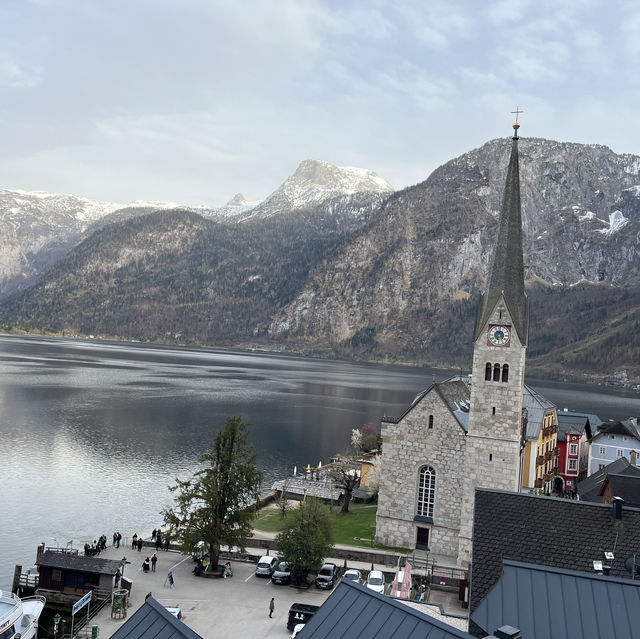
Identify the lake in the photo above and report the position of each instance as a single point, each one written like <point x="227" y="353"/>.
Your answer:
<point x="95" y="432"/>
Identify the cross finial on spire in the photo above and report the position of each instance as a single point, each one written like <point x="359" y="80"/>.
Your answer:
<point x="516" y="125"/>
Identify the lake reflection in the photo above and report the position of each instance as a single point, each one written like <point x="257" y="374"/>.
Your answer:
<point x="95" y="432"/>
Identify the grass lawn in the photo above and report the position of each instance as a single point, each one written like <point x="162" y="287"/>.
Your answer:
<point x="351" y="529"/>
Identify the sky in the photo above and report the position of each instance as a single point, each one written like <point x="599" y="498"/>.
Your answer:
<point x="193" y="101"/>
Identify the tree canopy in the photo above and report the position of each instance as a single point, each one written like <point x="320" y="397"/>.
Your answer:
<point x="214" y="505"/>
<point x="306" y="539"/>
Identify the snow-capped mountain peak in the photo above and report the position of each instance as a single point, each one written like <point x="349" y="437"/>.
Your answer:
<point x="317" y="180"/>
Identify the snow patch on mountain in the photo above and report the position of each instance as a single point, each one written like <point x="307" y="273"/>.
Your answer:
<point x="616" y="222"/>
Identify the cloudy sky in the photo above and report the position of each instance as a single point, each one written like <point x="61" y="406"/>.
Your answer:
<point x="192" y="101"/>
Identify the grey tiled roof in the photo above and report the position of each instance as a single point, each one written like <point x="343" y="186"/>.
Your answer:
<point x="590" y="487"/>
<point x="568" y="419"/>
<point x="564" y="533"/>
<point x="506" y="272"/>
<point x="81" y="563"/>
<point x="352" y="610"/>
<point x="455" y="393"/>
<point x="551" y="603"/>
<point x="626" y="486"/>
<point x="626" y="427"/>
<point x="154" y="621"/>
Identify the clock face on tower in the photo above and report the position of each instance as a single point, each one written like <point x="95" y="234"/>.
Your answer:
<point x="499" y="335"/>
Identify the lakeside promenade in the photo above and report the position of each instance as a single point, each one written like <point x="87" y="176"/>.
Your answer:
<point x="238" y="606"/>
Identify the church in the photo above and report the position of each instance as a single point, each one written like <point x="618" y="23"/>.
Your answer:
<point x="465" y="432"/>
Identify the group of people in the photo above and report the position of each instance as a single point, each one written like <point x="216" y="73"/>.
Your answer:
<point x="150" y="563"/>
<point x="116" y="539"/>
<point x="96" y="547"/>
<point x="201" y="566"/>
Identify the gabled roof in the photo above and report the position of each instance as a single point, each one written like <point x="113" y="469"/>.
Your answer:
<point x="568" y="534"/>
<point x="625" y="486"/>
<point x="154" y="621"/>
<point x="551" y="603"/>
<point x="569" y="421"/>
<point x="627" y="427"/>
<point x="537" y="405"/>
<point x="455" y="393"/>
<point x="590" y="487"/>
<point x="506" y="271"/>
<point x="352" y="610"/>
<point x="80" y="563"/>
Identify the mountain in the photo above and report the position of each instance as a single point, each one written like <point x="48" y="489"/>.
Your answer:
<point x="315" y="181"/>
<point x="38" y="228"/>
<point x="374" y="274"/>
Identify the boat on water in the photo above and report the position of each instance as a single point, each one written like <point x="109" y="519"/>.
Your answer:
<point x="19" y="617"/>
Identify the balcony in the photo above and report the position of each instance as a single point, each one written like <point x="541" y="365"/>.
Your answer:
<point x="549" y="430"/>
<point x="539" y="483"/>
<point x="547" y="476"/>
<point x="539" y="460"/>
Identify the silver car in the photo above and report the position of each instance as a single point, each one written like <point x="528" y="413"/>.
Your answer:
<point x="266" y="566"/>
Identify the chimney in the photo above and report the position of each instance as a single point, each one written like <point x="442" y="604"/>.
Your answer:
<point x="617" y="503"/>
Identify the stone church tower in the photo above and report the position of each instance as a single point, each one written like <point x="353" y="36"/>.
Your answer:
<point x="494" y="437"/>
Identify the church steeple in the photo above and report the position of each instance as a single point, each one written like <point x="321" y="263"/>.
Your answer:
<point x="506" y="271"/>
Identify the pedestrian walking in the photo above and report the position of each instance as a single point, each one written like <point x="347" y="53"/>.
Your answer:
<point x="115" y="538"/>
<point x="134" y="543"/>
<point x="118" y="538"/>
<point x="154" y="561"/>
<point x="272" y="607"/>
<point x="158" y="540"/>
<point x="153" y="534"/>
<point x="139" y="544"/>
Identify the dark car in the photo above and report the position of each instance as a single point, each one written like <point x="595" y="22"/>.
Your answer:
<point x="300" y="613"/>
<point x="282" y="573"/>
<point x="327" y="576"/>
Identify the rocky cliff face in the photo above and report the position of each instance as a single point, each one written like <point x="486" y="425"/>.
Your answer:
<point x="373" y="274"/>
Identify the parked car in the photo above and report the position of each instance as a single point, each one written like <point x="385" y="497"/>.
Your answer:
<point x="266" y="566"/>
<point x="327" y="576"/>
<point x="375" y="581"/>
<point x="300" y="613"/>
<point x="282" y="573"/>
<point x="353" y="575"/>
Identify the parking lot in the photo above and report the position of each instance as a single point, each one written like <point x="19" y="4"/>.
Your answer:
<point x="212" y="607"/>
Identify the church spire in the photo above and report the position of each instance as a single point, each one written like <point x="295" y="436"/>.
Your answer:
<point x="506" y="272"/>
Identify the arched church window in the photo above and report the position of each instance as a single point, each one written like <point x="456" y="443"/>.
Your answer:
<point x="487" y="372"/>
<point x="430" y="421"/>
<point x="426" y="491"/>
<point x="496" y="372"/>
<point x="505" y="373"/>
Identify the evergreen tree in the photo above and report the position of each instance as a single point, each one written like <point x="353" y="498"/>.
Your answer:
<point x="214" y="506"/>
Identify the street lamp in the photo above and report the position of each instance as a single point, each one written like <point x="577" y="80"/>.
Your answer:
<point x="56" y="621"/>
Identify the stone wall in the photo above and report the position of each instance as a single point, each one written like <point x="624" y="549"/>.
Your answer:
<point x="408" y="446"/>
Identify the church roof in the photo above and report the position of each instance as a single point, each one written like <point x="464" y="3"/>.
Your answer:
<point x="454" y="392"/>
<point x="506" y="271"/>
<point x="567" y="533"/>
<point x="552" y="603"/>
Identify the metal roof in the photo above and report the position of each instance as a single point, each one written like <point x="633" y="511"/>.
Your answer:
<point x="537" y="405"/>
<point x="352" y="610"/>
<point x="154" y="621"/>
<point x="506" y="271"/>
<point x="80" y="563"/>
<point x="551" y="603"/>
<point x="567" y="533"/>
